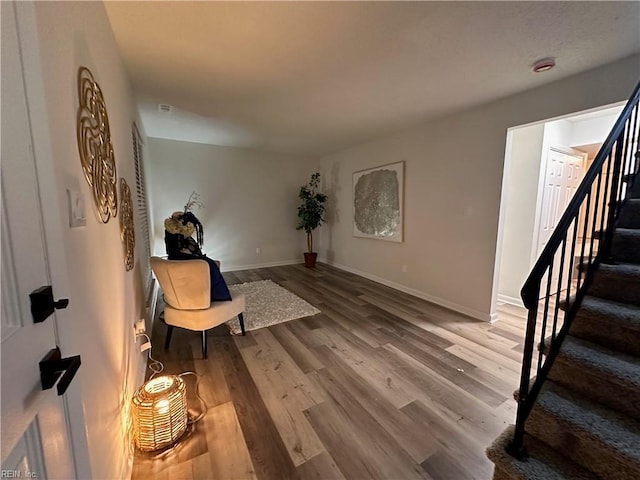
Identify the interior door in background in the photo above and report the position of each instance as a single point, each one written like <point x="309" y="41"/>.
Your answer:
<point x="564" y="170"/>
<point x="35" y="438"/>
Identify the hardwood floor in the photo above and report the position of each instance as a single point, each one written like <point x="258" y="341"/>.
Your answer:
<point x="380" y="385"/>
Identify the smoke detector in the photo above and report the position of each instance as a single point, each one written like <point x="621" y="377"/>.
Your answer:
<point x="544" y="65"/>
<point x="164" y="108"/>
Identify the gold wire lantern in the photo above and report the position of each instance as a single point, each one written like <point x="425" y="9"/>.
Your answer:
<point x="159" y="410"/>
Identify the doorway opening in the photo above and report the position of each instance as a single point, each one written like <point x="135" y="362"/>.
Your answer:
<point x="544" y="164"/>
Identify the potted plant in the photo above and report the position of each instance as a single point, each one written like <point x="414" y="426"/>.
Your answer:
<point x="310" y="215"/>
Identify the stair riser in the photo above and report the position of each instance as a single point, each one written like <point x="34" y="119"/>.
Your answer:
<point x="635" y="190"/>
<point x="607" y="333"/>
<point x="626" y="248"/>
<point x="499" y="474"/>
<point x="616" y="287"/>
<point x="634" y="179"/>
<point x="596" y="386"/>
<point x="630" y="215"/>
<point x="543" y="463"/>
<point x="577" y="445"/>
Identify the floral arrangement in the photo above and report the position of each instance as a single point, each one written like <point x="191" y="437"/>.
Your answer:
<point x="184" y="222"/>
<point x="174" y="224"/>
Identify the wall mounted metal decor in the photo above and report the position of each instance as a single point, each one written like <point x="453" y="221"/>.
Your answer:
<point x="127" y="232"/>
<point x="94" y="145"/>
<point x="378" y="202"/>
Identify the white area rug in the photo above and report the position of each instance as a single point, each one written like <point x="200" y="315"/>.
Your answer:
<point x="268" y="304"/>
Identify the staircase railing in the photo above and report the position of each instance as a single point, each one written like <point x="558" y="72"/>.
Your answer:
<point x="580" y="241"/>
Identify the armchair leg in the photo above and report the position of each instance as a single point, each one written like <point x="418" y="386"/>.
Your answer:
<point x="241" y="320"/>
<point x="204" y="344"/>
<point x="167" y="339"/>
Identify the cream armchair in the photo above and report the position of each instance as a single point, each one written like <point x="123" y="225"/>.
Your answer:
<point x="186" y="287"/>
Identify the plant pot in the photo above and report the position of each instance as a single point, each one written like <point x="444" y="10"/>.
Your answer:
<point x="310" y="259"/>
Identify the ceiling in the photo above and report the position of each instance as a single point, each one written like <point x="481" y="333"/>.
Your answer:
<point x="311" y="78"/>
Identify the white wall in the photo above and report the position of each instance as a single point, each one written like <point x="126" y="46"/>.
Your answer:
<point x="520" y="196"/>
<point x="592" y="130"/>
<point x="88" y="265"/>
<point x="250" y="199"/>
<point x="454" y="169"/>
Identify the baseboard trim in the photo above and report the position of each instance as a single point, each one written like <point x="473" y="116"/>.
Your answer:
<point x="510" y="300"/>
<point x="485" y="317"/>
<point x="232" y="268"/>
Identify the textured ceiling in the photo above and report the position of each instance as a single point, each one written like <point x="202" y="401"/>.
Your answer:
<point x="315" y="77"/>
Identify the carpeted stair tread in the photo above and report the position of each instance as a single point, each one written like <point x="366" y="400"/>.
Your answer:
<point x="565" y="304"/>
<point x="630" y="214"/>
<point x="624" y="368"/>
<point x="628" y="178"/>
<point x="543" y="462"/>
<point x="609" y="307"/>
<point x="618" y="282"/>
<point x="593" y="436"/>
<point x="603" y="375"/>
<point x="628" y="270"/>
<point x="585" y="421"/>
<point x="632" y="178"/>
<point x="612" y="324"/>
<point x="634" y="192"/>
<point x="625" y="245"/>
<point x="628" y="232"/>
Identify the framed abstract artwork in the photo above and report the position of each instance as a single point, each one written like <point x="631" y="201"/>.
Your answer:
<point x="378" y="195"/>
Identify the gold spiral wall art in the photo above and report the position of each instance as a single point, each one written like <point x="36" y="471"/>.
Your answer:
<point x="127" y="233"/>
<point x="94" y="145"/>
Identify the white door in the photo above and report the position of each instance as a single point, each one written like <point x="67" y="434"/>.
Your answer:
<point x="35" y="438"/>
<point x="564" y="171"/>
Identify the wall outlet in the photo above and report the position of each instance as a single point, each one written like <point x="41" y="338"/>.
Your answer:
<point x="258" y="250"/>
<point x="404" y="269"/>
<point x="140" y="326"/>
<point x="138" y="329"/>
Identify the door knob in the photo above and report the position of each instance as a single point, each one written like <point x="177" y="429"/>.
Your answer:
<point x="43" y="305"/>
<point x="52" y="366"/>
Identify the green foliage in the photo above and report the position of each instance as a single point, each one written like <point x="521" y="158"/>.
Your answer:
<point x="311" y="210"/>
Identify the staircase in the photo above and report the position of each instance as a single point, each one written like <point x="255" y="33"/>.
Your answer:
<point x="586" y="420"/>
<point x="579" y="397"/>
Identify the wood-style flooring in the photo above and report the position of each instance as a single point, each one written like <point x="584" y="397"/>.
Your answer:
<point x="380" y="385"/>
